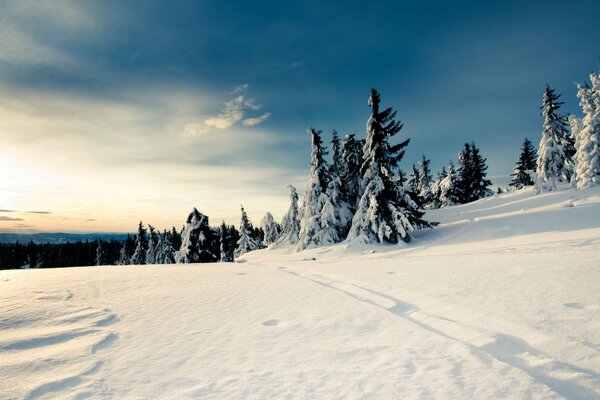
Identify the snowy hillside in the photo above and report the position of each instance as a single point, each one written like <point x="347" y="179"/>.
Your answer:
<point x="500" y="301"/>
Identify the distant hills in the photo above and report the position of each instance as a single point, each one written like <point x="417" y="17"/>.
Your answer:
<point x="58" y="237"/>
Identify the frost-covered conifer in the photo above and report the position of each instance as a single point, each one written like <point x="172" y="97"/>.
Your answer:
<point x="587" y="169"/>
<point x="165" y="251"/>
<point x="449" y="193"/>
<point x="524" y="172"/>
<point x="123" y="257"/>
<point x="270" y="228"/>
<point x="386" y="211"/>
<point x="100" y="254"/>
<point x="141" y="245"/>
<point x="152" y="245"/>
<point x="290" y="225"/>
<point x="195" y="240"/>
<point x="336" y="215"/>
<point x="413" y="180"/>
<point x="315" y="196"/>
<point x="246" y="243"/>
<point x="350" y="174"/>
<point x="554" y="163"/>
<point x="424" y="182"/>
<point x="472" y="184"/>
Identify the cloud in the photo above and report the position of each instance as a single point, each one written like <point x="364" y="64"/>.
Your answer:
<point x="256" y="121"/>
<point x="90" y="219"/>
<point x="7" y="211"/>
<point x="4" y="218"/>
<point x="26" y="212"/>
<point x="232" y="113"/>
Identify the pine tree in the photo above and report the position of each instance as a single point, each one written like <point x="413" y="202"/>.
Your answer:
<point x="472" y="183"/>
<point x="290" y="225"/>
<point x="123" y="256"/>
<point x="165" y="252"/>
<point x="337" y="166"/>
<point x="413" y="180"/>
<point x="350" y="174"/>
<point x="524" y="172"/>
<point x="424" y="182"/>
<point x="554" y="163"/>
<point x="100" y="254"/>
<point x="315" y="197"/>
<point x="449" y="191"/>
<point x="336" y="215"/>
<point x="436" y="188"/>
<point x="587" y="171"/>
<point x="152" y="246"/>
<point x="141" y="245"/>
<point x="480" y="183"/>
<point x="196" y="240"/>
<point x="270" y="228"/>
<point x="386" y="211"/>
<point x="246" y="243"/>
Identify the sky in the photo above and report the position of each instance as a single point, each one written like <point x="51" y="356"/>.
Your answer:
<point x="113" y="112"/>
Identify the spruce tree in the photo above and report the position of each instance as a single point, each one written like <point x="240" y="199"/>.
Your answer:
<point x="123" y="256"/>
<point x="350" y="174"/>
<point x="524" y="171"/>
<point x="315" y="197"/>
<point x="386" y="211"/>
<point x="290" y="225"/>
<point x="587" y="172"/>
<point x="100" y="253"/>
<point x="270" y="228"/>
<point x="165" y="251"/>
<point x="246" y="243"/>
<point x="554" y="163"/>
<point x="196" y="240"/>
<point x="449" y="190"/>
<point x="424" y="182"/>
<point x="480" y="183"/>
<point x="152" y="246"/>
<point x="141" y="245"/>
<point x="413" y="180"/>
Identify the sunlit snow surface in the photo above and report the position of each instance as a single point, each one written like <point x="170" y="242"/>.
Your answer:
<point x="501" y="301"/>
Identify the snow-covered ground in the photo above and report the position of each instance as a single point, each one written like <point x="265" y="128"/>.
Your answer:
<point x="500" y="301"/>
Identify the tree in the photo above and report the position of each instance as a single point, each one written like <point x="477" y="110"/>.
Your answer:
<point x="554" y="163"/>
<point x="472" y="170"/>
<point x="424" y="182"/>
<point x="350" y="171"/>
<point x="246" y="243"/>
<point x="413" y="180"/>
<point x="449" y="193"/>
<point x="141" y="245"/>
<point x="587" y="139"/>
<point x="123" y="256"/>
<point x="315" y="197"/>
<point x="290" y="225"/>
<point x="152" y="246"/>
<point x="387" y="212"/>
<point x="196" y="240"/>
<point x="270" y="228"/>
<point x="100" y="254"/>
<point x="524" y="172"/>
<point x="165" y="253"/>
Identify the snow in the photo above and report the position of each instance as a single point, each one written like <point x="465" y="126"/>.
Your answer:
<point x="500" y="301"/>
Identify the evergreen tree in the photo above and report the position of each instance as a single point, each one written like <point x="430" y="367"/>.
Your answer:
<point x="152" y="246"/>
<point x="524" y="172"/>
<point x="123" y="256"/>
<point x="472" y="183"/>
<point x="424" y="182"/>
<point x="554" y="163"/>
<point x="270" y="228"/>
<point x="436" y="188"/>
<point x="449" y="191"/>
<point x="196" y="240"/>
<point x="336" y="215"/>
<point x="100" y="253"/>
<point x="337" y="161"/>
<point x="413" y="180"/>
<point x="141" y="245"/>
<point x="480" y="183"/>
<point x="290" y="225"/>
<point x="386" y="211"/>
<point x="587" y="171"/>
<point x="315" y="197"/>
<point x="165" y="252"/>
<point x="350" y="173"/>
<point x="246" y="243"/>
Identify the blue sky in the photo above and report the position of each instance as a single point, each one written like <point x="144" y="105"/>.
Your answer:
<point x="113" y="111"/>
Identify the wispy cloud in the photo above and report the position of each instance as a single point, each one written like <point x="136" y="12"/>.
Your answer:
<point x="232" y="113"/>
<point x="5" y="218"/>
<point x="25" y="212"/>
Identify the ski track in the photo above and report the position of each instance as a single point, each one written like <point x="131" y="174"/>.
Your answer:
<point x="62" y="342"/>
<point x="565" y="379"/>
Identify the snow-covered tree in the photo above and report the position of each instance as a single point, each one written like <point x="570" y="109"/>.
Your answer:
<point x="100" y="253"/>
<point x="152" y="246"/>
<point x="413" y="179"/>
<point x="141" y="245"/>
<point x="123" y="256"/>
<point x="449" y="193"/>
<point x="587" y="139"/>
<point x="195" y="240"/>
<point x="315" y="196"/>
<point x="270" y="228"/>
<point x="424" y="182"/>
<point x="386" y="211"/>
<point x="336" y="168"/>
<point x="246" y="243"/>
<point x="336" y="215"/>
<point x="290" y="225"/>
<point x="165" y="252"/>
<point x="554" y="163"/>
<point x="472" y="170"/>
<point x="524" y="172"/>
<point x="350" y="174"/>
